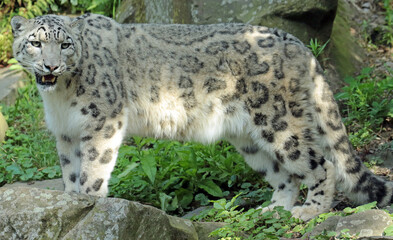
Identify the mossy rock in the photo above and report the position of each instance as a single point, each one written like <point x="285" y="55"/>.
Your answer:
<point x="305" y="19"/>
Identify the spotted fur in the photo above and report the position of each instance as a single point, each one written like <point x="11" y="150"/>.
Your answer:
<point x="257" y="87"/>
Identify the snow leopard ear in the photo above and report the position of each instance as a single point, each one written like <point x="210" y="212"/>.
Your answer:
<point x="18" y="25"/>
<point x="77" y="25"/>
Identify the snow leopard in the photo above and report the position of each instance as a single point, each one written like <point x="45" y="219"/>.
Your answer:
<point x="259" y="88"/>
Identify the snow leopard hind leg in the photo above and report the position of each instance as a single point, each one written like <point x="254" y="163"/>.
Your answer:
<point x="285" y="186"/>
<point x="288" y="164"/>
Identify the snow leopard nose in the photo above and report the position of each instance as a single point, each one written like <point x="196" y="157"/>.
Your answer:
<point x="51" y="68"/>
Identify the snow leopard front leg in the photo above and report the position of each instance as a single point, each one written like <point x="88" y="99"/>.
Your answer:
<point x="99" y="149"/>
<point x="70" y="161"/>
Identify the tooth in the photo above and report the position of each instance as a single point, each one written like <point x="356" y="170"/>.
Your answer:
<point x="43" y="79"/>
<point x="53" y="79"/>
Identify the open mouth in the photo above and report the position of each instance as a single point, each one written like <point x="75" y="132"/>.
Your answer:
<point x="46" y="80"/>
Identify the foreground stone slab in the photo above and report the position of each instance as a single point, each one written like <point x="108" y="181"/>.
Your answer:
<point x="370" y="223"/>
<point x="30" y="213"/>
<point x="50" y="184"/>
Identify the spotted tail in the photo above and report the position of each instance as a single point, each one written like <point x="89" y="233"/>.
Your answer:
<point x="352" y="177"/>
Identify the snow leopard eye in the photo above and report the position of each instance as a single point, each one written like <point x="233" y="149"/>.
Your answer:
<point x="65" y="45"/>
<point x="36" y="44"/>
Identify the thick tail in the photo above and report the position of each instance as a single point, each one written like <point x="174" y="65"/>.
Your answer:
<point x="352" y="177"/>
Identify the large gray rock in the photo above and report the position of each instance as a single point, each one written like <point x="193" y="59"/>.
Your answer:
<point x="365" y="224"/>
<point x="346" y="56"/>
<point x="30" y="213"/>
<point x="303" y="18"/>
<point x="3" y="127"/>
<point x="10" y="81"/>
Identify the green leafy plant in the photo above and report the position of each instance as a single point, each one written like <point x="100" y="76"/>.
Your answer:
<point x="104" y="7"/>
<point x="316" y="47"/>
<point x="383" y="33"/>
<point x="176" y="176"/>
<point x="28" y="153"/>
<point x="348" y="210"/>
<point x="250" y="224"/>
<point x="368" y="102"/>
<point x="387" y="36"/>
<point x="276" y="224"/>
<point x="366" y="35"/>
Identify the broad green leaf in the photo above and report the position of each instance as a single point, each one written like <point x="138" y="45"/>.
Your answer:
<point x="361" y="208"/>
<point x="219" y="204"/>
<point x="164" y="200"/>
<point x="128" y="169"/>
<point x="185" y="197"/>
<point x="149" y="166"/>
<point x="246" y="185"/>
<point x="127" y="151"/>
<point x="12" y="61"/>
<point x="210" y="187"/>
<point x="14" y="169"/>
<point x="367" y="206"/>
<point x="51" y="171"/>
<point x="367" y="71"/>
<point x="270" y="230"/>
<point x="54" y="7"/>
<point x="389" y="231"/>
<point x="202" y="199"/>
<point x="174" y="204"/>
<point x="29" y="173"/>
